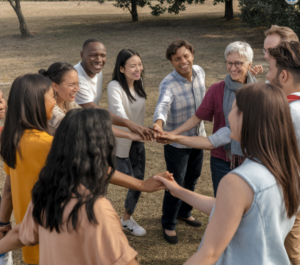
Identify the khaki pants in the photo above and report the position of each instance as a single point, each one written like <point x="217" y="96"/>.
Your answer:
<point x="292" y="242"/>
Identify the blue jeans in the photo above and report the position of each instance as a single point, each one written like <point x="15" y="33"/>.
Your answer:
<point x="134" y="166"/>
<point x="186" y="165"/>
<point x="219" y="168"/>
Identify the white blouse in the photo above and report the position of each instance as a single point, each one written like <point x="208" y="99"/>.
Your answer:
<point x="120" y="105"/>
<point x="58" y="114"/>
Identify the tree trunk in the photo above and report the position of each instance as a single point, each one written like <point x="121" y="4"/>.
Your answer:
<point x="228" y="10"/>
<point x="134" y="12"/>
<point x="23" y="26"/>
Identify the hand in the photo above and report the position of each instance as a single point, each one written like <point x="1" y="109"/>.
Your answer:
<point x="257" y="69"/>
<point x="168" y="138"/>
<point x="135" y="137"/>
<point x="169" y="183"/>
<point x="144" y="132"/>
<point x="157" y="128"/>
<point x="4" y="229"/>
<point x="151" y="184"/>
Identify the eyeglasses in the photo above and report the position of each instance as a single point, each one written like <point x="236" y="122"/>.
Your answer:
<point x="236" y="64"/>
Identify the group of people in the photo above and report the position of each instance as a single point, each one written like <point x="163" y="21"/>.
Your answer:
<point x="60" y="152"/>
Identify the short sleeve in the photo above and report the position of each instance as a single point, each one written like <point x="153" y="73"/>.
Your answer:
<point x="206" y="109"/>
<point x="6" y="168"/>
<point x="29" y="230"/>
<point x="106" y="240"/>
<point x="84" y="95"/>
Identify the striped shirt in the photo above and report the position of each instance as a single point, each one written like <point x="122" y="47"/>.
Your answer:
<point x="178" y="101"/>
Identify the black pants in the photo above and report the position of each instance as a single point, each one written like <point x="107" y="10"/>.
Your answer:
<point x="186" y="165"/>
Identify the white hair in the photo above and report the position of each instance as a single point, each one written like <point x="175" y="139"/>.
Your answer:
<point x="242" y="48"/>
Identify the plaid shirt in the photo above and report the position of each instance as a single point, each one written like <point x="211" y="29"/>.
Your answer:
<point x="178" y="101"/>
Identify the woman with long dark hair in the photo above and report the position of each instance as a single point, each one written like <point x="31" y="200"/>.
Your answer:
<point x="126" y="99"/>
<point x="69" y="215"/>
<point x="25" y="144"/>
<point x="257" y="202"/>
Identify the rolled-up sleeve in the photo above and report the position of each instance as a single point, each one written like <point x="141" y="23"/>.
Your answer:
<point x="163" y="104"/>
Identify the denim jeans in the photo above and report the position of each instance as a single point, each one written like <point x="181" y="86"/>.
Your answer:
<point x="186" y="165"/>
<point x="134" y="166"/>
<point x="219" y="168"/>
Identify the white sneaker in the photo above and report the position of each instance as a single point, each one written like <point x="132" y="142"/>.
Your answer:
<point x="133" y="227"/>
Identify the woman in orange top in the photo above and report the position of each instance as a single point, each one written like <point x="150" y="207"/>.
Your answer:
<point x="25" y="144"/>
<point x="69" y="215"/>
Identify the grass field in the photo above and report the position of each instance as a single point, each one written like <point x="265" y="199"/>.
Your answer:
<point x="59" y="29"/>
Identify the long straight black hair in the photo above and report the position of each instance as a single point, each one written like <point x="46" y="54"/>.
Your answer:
<point x="122" y="58"/>
<point x="26" y="110"/>
<point x="82" y="153"/>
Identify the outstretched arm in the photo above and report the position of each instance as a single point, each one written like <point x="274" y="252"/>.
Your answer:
<point x="219" y="138"/>
<point x="144" y="132"/>
<point x="149" y="185"/>
<point x="198" y="142"/>
<point x="200" y="202"/>
<point x="6" y="207"/>
<point x="189" y="124"/>
<point x="11" y="241"/>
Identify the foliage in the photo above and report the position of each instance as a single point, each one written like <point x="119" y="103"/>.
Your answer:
<point x="172" y="6"/>
<point x="258" y="13"/>
<point x="126" y="4"/>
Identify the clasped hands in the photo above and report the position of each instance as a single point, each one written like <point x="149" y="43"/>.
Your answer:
<point x="146" y="134"/>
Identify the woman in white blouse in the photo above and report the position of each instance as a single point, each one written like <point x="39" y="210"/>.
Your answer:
<point x="126" y="98"/>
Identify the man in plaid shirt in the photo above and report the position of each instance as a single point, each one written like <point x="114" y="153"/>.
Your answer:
<point x="180" y="94"/>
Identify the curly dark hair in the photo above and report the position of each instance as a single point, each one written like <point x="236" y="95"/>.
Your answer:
<point x="82" y="154"/>
<point x="287" y="56"/>
<point x="172" y="49"/>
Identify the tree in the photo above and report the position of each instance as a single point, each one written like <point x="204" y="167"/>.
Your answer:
<point x="260" y="13"/>
<point x="17" y="7"/>
<point x="170" y="6"/>
<point x="131" y="5"/>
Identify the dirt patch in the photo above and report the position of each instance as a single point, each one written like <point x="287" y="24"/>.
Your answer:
<point x="59" y="29"/>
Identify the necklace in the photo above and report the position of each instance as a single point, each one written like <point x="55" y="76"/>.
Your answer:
<point x="64" y="109"/>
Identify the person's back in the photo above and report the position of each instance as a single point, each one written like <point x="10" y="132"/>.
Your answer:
<point x="34" y="148"/>
<point x="260" y="236"/>
<point x="102" y="243"/>
<point x="25" y="145"/>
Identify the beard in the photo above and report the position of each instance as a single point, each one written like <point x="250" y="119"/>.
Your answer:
<point x="276" y="82"/>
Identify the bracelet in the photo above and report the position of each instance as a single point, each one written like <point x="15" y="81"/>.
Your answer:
<point x="3" y="224"/>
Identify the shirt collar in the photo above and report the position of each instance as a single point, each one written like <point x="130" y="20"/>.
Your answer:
<point x="296" y="93"/>
<point x="183" y="79"/>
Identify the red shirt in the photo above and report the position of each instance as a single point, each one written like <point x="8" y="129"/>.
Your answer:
<point x="1" y="129"/>
<point x="211" y="109"/>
